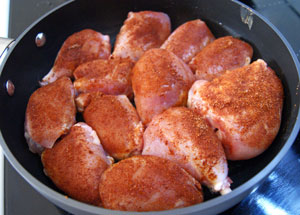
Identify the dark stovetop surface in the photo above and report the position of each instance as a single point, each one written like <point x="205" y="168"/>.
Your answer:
<point x="279" y="194"/>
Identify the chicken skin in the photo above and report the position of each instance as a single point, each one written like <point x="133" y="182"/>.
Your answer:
<point x="160" y="80"/>
<point x="188" y="39"/>
<point x="112" y="77"/>
<point x="50" y="113"/>
<point x="80" y="47"/>
<point x="148" y="183"/>
<point x="225" y="53"/>
<point x="141" y="31"/>
<point x="182" y="136"/>
<point x="116" y="122"/>
<point x="244" y="105"/>
<point x="76" y="162"/>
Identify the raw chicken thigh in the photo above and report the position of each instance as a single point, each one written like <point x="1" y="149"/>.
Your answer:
<point x="244" y="105"/>
<point x="148" y="183"/>
<point x="80" y="47"/>
<point x="112" y="76"/>
<point x="160" y="80"/>
<point x="76" y="162"/>
<point x="188" y="39"/>
<point x="225" y="53"/>
<point x="181" y="135"/>
<point x="141" y="31"/>
<point x="50" y="113"/>
<point x="116" y="122"/>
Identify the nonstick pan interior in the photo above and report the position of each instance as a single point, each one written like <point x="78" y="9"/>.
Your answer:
<point x="26" y="64"/>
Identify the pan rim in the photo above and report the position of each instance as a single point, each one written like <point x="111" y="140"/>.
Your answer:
<point x="58" y="197"/>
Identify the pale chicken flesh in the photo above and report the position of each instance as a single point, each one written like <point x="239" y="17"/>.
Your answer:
<point x="76" y="162"/>
<point x="188" y="39"/>
<point x="112" y="77"/>
<point x="160" y="80"/>
<point x="148" y="183"/>
<point x="244" y="105"/>
<point x="225" y="53"/>
<point x="50" y="113"/>
<point x="140" y="32"/>
<point x="80" y="47"/>
<point x="182" y="136"/>
<point x="116" y="122"/>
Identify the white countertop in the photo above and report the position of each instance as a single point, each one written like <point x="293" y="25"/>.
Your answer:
<point x="4" y="16"/>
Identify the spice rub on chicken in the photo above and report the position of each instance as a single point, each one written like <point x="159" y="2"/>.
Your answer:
<point x="76" y="162"/>
<point x="182" y="136"/>
<point x="116" y="122"/>
<point x="244" y="105"/>
<point x="148" y="183"/>
<point x="160" y="80"/>
<point x="225" y="53"/>
<point x="80" y="47"/>
<point x="112" y="77"/>
<point x="164" y="150"/>
<point x="50" y="113"/>
<point x="188" y="39"/>
<point x="140" y="32"/>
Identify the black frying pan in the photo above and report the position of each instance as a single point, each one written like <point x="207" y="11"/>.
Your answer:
<point x="26" y="64"/>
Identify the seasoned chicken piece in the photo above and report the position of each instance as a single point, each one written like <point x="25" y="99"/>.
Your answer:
<point x="188" y="39"/>
<point x="182" y="136"/>
<point x="112" y="76"/>
<point x="141" y="31"/>
<point x="244" y="105"/>
<point x="76" y="162"/>
<point x="160" y="80"/>
<point x="50" y="113"/>
<point x="116" y="122"/>
<point x="80" y="47"/>
<point x="225" y="53"/>
<point x="148" y="183"/>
